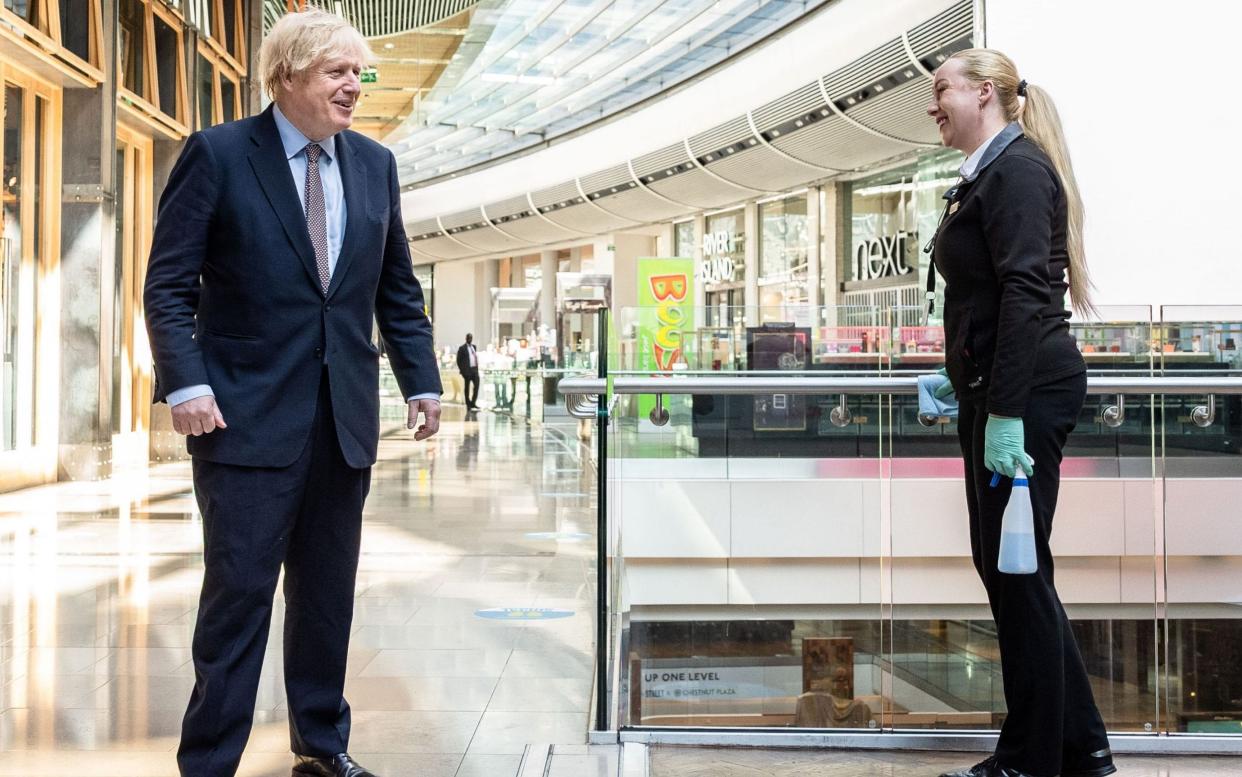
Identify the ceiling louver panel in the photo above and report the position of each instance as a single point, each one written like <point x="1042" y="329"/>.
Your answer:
<point x="641" y="205"/>
<point x="489" y="240"/>
<point x="901" y="113"/>
<point x="759" y="167"/>
<point x="588" y="218"/>
<point x="799" y="104"/>
<point x="700" y="189"/>
<point x="444" y="248"/>
<point x="954" y="24"/>
<point x="537" y="230"/>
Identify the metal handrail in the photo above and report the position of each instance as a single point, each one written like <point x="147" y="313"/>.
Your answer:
<point x="582" y="393"/>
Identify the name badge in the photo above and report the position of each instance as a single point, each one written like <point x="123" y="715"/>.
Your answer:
<point x="953" y="208"/>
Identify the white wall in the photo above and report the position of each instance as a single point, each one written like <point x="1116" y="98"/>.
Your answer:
<point x="1145" y="93"/>
<point x="456" y="304"/>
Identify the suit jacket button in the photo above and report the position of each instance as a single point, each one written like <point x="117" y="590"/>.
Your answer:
<point x="318" y="353"/>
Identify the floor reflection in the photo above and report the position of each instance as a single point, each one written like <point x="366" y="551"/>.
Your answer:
<point x="98" y="595"/>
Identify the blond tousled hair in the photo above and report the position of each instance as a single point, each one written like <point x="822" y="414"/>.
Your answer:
<point x="299" y="40"/>
<point x="1042" y="124"/>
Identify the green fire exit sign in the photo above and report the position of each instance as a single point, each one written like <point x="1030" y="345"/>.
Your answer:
<point x="369" y="75"/>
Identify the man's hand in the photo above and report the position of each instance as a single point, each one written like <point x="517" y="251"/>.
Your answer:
<point x="430" y="409"/>
<point x="197" y="416"/>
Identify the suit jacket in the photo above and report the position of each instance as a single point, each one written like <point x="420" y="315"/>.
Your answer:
<point x="463" y="359"/>
<point x="233" y="297"/>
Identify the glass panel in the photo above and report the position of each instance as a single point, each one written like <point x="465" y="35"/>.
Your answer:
<point x="228" y="98"/>
<point x="133" y="36"/>
<point x="230" y="28"/>
<point x="783" y="258"/>
<point x="118" y="286"/>
<point x="945" y="643"/>
<point x="10" y="273"/>
<point x="683" y="239"/>
<point x="725" y="619"/>
<point x="38" y="186"/>
<point x="206" y="92"/>
<point x="75" y="26"/>
<point x="778" y="618"/>
<point x="27" y="9"/>
<point x="167" y="54"/>
<point x="1202" y="487"/>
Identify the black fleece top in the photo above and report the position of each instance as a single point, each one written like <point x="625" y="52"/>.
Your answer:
<point x="1002" y="251"/>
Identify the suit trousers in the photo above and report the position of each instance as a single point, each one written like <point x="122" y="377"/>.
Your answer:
<point x="306" y="517"/>
<point x="1052" y="722"/>
<point x="471" y="391"/>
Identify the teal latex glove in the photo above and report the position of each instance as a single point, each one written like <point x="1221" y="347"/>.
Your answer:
<point x="1004" y="446"/>
<point x="947" y="388"/>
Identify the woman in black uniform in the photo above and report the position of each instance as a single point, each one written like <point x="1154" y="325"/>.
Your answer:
<point x="1009" y="247"/>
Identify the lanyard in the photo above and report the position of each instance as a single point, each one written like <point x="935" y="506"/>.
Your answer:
<point x="930" y="250"/>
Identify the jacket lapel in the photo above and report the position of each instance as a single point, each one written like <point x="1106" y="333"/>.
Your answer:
<point x="354" y="181"/>
<point x="271" y="167"/>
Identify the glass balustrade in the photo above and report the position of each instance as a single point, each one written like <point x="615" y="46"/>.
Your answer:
<point x="802" y="561"/>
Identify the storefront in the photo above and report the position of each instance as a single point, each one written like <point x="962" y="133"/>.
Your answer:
<point x="783" y="251"/>
<point x="722" y="270"/>
<point x="888" y="218"/>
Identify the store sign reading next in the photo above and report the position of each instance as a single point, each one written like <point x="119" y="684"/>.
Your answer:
<point x="717" y="265"/>
<point x="882" y="257"/>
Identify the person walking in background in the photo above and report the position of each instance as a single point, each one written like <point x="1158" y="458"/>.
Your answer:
<point x="468" y="366"/>
<point x="279" y="242"/>
<point x="1009" y="247"/>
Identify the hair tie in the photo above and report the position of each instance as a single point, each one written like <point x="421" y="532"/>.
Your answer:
<point x="1022" y="88"/>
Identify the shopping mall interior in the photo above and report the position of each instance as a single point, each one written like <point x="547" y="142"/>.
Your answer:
<point x="697" y="520"/>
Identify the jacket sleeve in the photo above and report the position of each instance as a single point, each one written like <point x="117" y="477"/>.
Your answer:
<point x="400" y="308"/>
<point x="178" y="251"/>
<point x="1018" y="212"/>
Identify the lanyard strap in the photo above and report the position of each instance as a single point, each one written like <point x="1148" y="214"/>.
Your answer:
<point x="930" y="250"/>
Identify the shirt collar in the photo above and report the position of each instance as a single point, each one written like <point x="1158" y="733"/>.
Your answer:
<point x="294" y="141"/>
<point x="989" y="150"/>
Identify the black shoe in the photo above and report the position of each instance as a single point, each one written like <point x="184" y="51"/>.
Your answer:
<point x="1098" y="764"/>
<point x="339" y="765"/>
<point x="988" y="767"/>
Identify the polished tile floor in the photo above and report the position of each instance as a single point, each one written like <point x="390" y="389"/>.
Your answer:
<point x="99" y="585"/>
<point x="738" y="762"/>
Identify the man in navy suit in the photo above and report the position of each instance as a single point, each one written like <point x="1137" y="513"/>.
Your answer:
<point x="279" y="242"/>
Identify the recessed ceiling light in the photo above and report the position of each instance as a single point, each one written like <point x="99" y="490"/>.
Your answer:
<point x="389" y="46"/>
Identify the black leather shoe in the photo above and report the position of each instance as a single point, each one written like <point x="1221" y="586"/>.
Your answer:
<point x="988" y="767"/>
<point x="1098" y="764"/>
<point x="339" y="765"/>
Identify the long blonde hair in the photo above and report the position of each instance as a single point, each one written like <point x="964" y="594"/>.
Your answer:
<point x="1042" y="124"/>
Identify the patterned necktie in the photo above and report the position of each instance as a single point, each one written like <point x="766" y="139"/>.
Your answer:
<point x="316" y="217"/>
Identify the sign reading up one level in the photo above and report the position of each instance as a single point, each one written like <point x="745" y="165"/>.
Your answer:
<point x="369" y="75"/>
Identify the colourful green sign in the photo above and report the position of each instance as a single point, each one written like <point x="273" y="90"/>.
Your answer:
<point x="665" y="318"/>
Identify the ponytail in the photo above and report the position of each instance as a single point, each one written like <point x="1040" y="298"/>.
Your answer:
<point x="1042" y="124"/>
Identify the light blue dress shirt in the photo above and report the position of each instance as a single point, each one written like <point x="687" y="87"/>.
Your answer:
<point x="294" y="143"/>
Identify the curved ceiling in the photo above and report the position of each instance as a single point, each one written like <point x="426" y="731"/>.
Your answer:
<point x="548" y="67"/>
<point x="863" y="113"/>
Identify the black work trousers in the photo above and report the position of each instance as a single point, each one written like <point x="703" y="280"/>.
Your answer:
<point x="1052" y="722"/>
<point x="308" y="518"/>
<point x="470" y="391"/>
